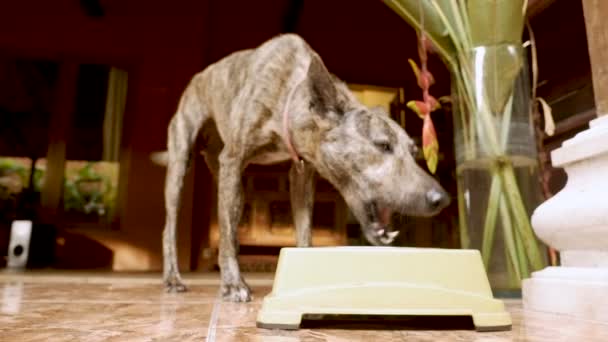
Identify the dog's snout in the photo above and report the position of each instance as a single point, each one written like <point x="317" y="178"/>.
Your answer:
<point x="437" y="199"/>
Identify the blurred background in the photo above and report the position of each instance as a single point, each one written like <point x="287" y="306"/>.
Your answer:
<point x="87" y="89"/>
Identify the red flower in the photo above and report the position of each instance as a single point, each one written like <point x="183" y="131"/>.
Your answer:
<point x="424" y="78"/>
<point x="430" y="145"/>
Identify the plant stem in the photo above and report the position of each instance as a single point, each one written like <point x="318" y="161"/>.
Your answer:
<point x="489" y="226"/>
<point x="462" y="215"/>
<point x="512" y="278"/>
<point x="508" y="237"/>
<point x="468" y="132"/>
<point x="462" y="24"/>
<point x="522" y="221"/>
<point x="506" y="124"/>
<point x="441" y="44"/>
<point x="521" y="254"/>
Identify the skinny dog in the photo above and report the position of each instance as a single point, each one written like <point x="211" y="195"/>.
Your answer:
<point x="279" y="102"/>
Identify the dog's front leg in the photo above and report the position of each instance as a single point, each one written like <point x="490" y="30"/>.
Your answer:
<point x="302" y="188"/>
<point x="230" y="208"/>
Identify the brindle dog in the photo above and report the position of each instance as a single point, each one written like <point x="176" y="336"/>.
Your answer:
<point x="273" y="103"/>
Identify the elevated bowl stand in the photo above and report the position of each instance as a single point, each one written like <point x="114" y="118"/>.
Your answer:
<point x="384" y="281"/>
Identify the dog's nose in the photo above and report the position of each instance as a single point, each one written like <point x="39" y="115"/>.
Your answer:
<point x="437" y="199"/>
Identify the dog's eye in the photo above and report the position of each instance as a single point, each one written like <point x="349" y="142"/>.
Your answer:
<point x="384" y="146"/>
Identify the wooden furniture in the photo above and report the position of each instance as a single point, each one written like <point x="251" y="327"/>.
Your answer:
<point x="267" y="218"/>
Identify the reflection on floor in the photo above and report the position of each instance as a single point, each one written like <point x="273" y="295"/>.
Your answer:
<point x="98" y="307"/>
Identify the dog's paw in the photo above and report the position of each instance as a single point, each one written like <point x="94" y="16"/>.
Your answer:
<point x="175" y="286"/>
<point x="239" y="292"/>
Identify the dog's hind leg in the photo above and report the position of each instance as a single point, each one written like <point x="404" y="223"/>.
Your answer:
<point x="302" y="187"/>
<point x="183" y="130"/>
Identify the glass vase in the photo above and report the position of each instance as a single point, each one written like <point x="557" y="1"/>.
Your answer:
<point x="496" y="160"/>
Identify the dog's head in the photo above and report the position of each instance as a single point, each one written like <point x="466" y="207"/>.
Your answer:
<point x="370" y="160"/>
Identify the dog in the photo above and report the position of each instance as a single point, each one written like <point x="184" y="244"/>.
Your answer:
<point x="279" y="102"/>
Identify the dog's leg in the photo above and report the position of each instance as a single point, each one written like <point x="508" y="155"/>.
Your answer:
<point x="230" y="208"/>
<point x="182" y="133"/>
<point x="302" y="187"/>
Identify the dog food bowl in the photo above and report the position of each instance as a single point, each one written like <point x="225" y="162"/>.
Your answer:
<point x="384" y="281"/>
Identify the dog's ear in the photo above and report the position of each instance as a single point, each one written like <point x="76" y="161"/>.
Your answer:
<point x="324" y="96"/>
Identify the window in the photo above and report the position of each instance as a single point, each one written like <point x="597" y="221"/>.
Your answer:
<point x="89" y="140"/>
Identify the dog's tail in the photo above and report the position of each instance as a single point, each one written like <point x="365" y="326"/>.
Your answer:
<point x="160" y="158"/>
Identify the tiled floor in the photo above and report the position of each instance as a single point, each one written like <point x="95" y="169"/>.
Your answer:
<point x="94" y="307"/>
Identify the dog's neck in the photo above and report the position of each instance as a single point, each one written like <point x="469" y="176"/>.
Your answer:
<point x="292" y="128"/>
<point x="286" y="129"/>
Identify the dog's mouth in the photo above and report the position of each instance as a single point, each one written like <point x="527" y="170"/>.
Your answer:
<point x="379" y="218"/>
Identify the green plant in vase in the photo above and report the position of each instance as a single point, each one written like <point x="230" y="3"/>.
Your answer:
<point x="480" y="41"/>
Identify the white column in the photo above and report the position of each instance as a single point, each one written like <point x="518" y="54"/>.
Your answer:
<point x="575" y="222"/>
